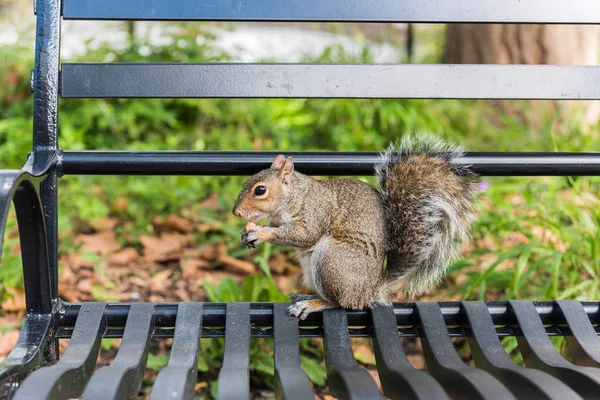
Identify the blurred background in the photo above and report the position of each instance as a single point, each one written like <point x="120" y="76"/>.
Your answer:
<point x="174" y="238"/>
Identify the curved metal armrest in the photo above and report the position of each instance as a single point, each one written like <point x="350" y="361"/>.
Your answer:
<point x="22" y="188"/>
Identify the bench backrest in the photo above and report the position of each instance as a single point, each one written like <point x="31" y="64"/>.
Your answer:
<point x="109" y="80"/>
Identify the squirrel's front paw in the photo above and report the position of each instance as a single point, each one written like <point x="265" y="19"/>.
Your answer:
<point x="250" y="238"/>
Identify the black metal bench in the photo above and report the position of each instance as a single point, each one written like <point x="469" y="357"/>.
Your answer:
<point x="34" y="189"/>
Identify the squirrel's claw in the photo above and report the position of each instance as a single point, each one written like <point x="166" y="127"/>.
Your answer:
<point x="301" y="309"/>
<point x="249" y="238"/>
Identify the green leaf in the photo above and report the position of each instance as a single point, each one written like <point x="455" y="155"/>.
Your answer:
<point x="157" y="362"/>
<point x="315" y="370"/>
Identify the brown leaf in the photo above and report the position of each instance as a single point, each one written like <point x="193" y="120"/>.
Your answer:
<point x="124" y="257"/>
<point x="160" y="280"/>
<point x="182" y="295"/>
<point x="238" y="266"/>
<point x="134" y="280"/>
<point x="16" y="302"/>
<point x="84" y="286"/>
<point x="7" y="342"/>
<point x="102" y="224"/>
<point x="190" y="266"/>
<point x="100" y="243"/>
<point x="213" y="252"/>
<point x="66" y="293"/>
<point x="281" y="263"/>
<point x="416" y="360"/>
<point x="177" y="223"/>
<point x="120" y="205"/>
<point x="166" y="247"/>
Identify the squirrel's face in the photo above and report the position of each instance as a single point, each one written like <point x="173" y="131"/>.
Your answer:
<point x="264" y="193"/>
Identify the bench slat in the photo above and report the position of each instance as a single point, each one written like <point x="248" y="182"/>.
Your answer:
<point x="234" y="376"/>
<point x="27" y="354"/>
<point x="414" y="81"/>
<point x="506" y="11"/>
<point x="398" y="377"/>
<point x="539" y="352"/>
<point x="346" y="379"/>
<point x="489" y="355"/>
<point x="68" y="377"/>
<point x="584" y="344"/>
<point x="235" y="163"/>
<point x="447" y="367"/>
<point x="178" y="379"/>
<point x="123" y="378"/>
<point x="290" y="380"/>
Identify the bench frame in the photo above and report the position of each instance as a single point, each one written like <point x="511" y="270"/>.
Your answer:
<point x="33" y="191"/>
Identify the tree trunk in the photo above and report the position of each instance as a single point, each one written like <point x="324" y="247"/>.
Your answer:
<point x="525" y="44"/>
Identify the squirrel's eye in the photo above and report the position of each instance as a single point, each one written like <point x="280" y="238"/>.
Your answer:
<point x="260" y="190"/>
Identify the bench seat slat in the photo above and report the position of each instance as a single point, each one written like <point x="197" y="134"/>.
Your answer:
<point x="409" y="81"/>
<point x="234" y="376"/>
<point x="446" y="366"/>
<point x="438" y="11"/>
<point x="398" y="377"/>
<point x="489" y="355"/>
<point x="123" y="378"/>
<point x="539" y="352"/>
<point x="346" y="379"/>
<point x="291" y="382"/>
<point x="584" y="344"/>
<point x="68" y="377"/>
<point x="178" y="379"/>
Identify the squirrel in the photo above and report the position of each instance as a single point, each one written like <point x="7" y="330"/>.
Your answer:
<point x="344" y="229"/>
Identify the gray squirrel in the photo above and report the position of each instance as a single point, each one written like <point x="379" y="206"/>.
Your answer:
<point x="344" y="228"/>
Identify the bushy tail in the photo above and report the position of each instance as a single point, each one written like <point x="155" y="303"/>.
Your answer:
<point x="430" y="205"/>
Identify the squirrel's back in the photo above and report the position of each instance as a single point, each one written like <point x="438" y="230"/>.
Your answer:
<point x="429" y="203"/>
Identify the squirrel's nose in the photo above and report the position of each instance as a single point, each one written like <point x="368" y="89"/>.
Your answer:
<point x="236" y="212"/>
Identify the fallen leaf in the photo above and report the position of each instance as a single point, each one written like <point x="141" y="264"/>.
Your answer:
<point x="190" y="266"/>
<point x="213" y="252"/>
<point x="177" y="223"/>
<point x="134" y="280"/>
<point x="102" y="224"/>
<point x="280" y="264"/>
<point x="161" y="280"/>
<point x="84" y="286"/>
<point x="416" y="360"/>
<point x="120" y="205"/>
<point x="123" y="257"/>
<point x="100" y="243"/>
<point x="238" y="266"/>
<point x="165" y="247"/>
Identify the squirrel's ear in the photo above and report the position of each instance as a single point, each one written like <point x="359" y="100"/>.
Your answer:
<point x="279" y="160"/>
<point x="285" y="173"/>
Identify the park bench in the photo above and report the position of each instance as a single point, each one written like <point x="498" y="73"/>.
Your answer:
<point x="33" y="369"/>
